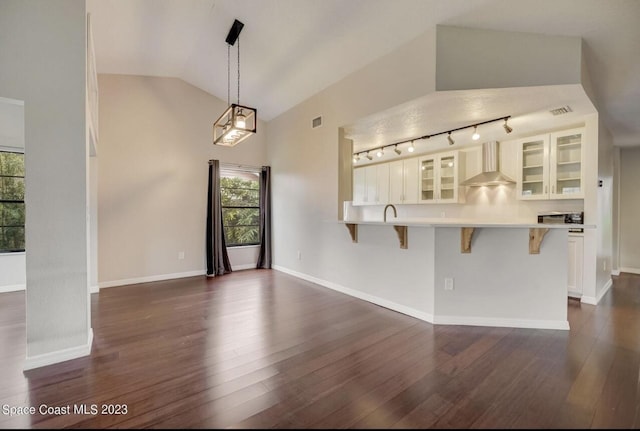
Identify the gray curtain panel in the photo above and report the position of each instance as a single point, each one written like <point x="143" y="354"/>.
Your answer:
<point x="264" y="258"/>
<point x="217" y="258"/>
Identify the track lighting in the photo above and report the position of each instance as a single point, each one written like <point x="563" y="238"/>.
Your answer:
<point x="506" y="126"/>
<point x="450" y="139"/>
<point x="380" y="150"/>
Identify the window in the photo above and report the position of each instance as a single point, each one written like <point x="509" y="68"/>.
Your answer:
<point x="240" y="196"/>
<point x="11" y="202"/>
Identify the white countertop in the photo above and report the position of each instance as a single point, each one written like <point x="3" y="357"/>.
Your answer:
<point x="461" y="222"/>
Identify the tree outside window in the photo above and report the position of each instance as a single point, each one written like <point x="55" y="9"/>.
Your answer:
<point x="12" y="212"/>
<point x="240" y="196"/>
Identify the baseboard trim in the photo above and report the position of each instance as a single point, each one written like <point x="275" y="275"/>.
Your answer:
<point x="12" y="288"/>
<point x="360" y="295"/>
<point x="427" y="317"/>
<point x="243" y="267"/>
<point x="615" y="272"/>
<point x="594" y="300"/>
<point x="502" y="322"/>
<point x="94" y="289"/>
<point x="59" y="356"/>
<point x="149" y="279"/>
<point x="630" y="270"/>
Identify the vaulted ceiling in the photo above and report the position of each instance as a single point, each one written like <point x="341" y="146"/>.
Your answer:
<point x="291" y="49"/>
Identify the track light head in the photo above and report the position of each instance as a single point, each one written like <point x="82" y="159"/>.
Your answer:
<point x="506" y="126"/>
<point x="475" y="135"/>
<point x="450" y="139"/>
<point x="380" y="152"/>
<point x="356" y="158"/>
<point x="411" y="148"/>
<point x="397" y="151"/>
<point x="368" y="156"/>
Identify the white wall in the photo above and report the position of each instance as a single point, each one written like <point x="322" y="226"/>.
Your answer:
<point x="499" y="281"/>
<point x="474" y="58"/>
<point x="629" y="210"/>
<point x="604" y="220"/>
<point x="155" y="141"/>
<point x="43" y="63"/>
<point x="13" y="274"/>
<point x="304" y="165"/>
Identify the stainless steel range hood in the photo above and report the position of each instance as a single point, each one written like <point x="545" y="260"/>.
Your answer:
<point x="491" y="175"/>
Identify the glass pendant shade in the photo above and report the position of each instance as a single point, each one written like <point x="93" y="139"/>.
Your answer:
<point x="235" y="125"/>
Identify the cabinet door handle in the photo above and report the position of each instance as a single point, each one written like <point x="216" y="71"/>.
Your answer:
<point x="546" y="188"/>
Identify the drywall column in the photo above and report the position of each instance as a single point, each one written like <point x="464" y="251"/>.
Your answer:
<point x="629" y="210"/>
<point x="43" y="54"/>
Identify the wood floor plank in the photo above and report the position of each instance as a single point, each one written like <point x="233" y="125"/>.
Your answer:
<point x="262" y="349"/>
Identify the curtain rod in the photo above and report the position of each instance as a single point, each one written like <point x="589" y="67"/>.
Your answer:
<point x="237" y="166"/>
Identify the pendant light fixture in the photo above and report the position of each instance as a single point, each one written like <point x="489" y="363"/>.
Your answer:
<point x="237" y="122"/>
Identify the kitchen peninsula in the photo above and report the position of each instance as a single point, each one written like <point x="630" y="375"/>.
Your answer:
<point x="483" y="272"/>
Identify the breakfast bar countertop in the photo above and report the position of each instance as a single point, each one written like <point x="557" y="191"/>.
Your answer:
<point x="470" y="222"/>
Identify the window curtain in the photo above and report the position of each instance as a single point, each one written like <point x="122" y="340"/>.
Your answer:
<point x="217" y="258"/>
<point x="264" y="258"/>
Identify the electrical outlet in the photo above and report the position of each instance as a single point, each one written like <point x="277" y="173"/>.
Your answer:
<point x="299" y="255"/>
<point x="180" y="255"/>
<point x="448" y="284"/>
<point x="604" y="264"/>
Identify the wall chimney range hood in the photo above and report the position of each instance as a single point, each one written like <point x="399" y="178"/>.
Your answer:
<point x="490" y="175"/>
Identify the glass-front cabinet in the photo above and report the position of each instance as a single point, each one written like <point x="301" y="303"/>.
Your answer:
<point x="534" y="169"/>
<point x="551" y="166"/>
<point x="567" y="165"/>
<point x="447" y="178"/>
<point x="427" y="179"/>
<point x="439" y="178"/>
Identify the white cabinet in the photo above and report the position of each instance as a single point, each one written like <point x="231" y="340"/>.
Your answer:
<point x="566" y="175"/>
<point x="371" y="185"/>
<point x="403" y="181"/>
<point x="574" y="282"/>
<point x="551" y="166"/>
<point x="440" y="178"/>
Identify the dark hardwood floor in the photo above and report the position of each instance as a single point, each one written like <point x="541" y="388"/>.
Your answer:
<point x="261" y="349"/>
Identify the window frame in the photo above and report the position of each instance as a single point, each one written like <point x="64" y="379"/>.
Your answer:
<point x="236" y="172"/>
<point x="13" y="201"/>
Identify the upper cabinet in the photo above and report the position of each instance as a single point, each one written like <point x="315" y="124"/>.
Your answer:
<point x="440" y="178"/>
<point x="403" y="181"/>
<point x="567" y="165"/>
<point x="551" y="166"/>
<point x="371" y="185"/>
<point x="92" y="92"/>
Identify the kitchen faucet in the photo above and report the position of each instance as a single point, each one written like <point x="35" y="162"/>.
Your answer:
<point x="395" y="213"/>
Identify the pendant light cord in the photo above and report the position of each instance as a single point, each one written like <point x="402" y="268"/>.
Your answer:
<point x="228" y="74"/>
<point x="238" y="71"/>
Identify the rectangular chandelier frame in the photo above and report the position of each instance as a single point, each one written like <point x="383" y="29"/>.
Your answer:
<point x="229" y="130"/>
